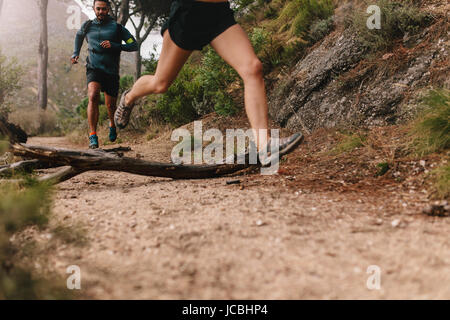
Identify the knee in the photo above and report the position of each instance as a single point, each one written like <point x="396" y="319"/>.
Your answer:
<point x="252" y="70"/>
<point x="94" y="96"/>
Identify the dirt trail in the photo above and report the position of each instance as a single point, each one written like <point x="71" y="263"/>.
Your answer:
<point x="266" y="238"/>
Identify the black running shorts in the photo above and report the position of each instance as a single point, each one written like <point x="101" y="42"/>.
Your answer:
<point x="194" y="25"/>
<point x="109" y="82"/>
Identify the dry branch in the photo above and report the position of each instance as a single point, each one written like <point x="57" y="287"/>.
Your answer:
<point x="88" y="160"/>
<point x="27" y="166"/>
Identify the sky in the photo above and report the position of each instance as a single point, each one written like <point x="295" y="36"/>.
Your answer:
<point x="147" y="46"/>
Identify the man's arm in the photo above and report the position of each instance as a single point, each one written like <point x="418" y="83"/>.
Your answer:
<point x="79" y="38"/>
<point x="130" y="42"/>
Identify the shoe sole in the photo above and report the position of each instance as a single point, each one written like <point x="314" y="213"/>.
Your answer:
<point x="288" y="149"/>
<point x="121" y="105"/>
<point x="292" y="145"/>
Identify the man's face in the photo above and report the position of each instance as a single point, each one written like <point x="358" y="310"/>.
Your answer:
<point x="101" y="10"/>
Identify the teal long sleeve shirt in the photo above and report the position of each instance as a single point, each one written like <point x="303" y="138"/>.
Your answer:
<point x="107" y="60"/>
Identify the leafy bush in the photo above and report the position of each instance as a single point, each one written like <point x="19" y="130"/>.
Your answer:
<point x="397" y="19"/>
<point x="10" y="75"/>
<point x="103" y="111"/>
<point x="320" y="29"/>
<point x="176" y="105"/>
<point x="214" y="75"/>
<point x="198" y="90"/>
<point x="151" y="63"/>
<point x="19" y="208"/>
<point x="126" y="82"/>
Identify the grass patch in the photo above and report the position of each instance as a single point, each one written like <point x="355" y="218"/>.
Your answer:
<point x="349" y="142"/>
<point x="382" y="168"/>
<point x="21" y="207"/>
<point x="441" y="182"/>
<point x="431" y="131"/>
<point x="296" y="17"/>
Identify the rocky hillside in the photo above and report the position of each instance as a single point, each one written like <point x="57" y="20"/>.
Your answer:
<point x="342" y="82"/>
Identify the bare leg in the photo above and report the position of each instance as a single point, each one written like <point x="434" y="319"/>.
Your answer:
<point x="170" y="62"/>
<point x="110" y="103"/>
<point x="92" y="110"/>
<point x="235" y="48"/>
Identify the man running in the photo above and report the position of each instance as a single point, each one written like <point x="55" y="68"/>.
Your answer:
<point x="191" y="26"/>
<point x="104" y="37"/>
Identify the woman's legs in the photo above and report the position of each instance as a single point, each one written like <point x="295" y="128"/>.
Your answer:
<point x="170" y="62"/>
<point x="235" y="48"/>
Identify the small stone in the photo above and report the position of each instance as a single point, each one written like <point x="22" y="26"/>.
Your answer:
<point x="378" y="222"/>
<point x="422" y="163"/>
<point x="260" y="223"/>
<point x="396" y="223"/>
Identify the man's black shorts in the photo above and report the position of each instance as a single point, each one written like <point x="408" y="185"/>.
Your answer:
<point x="193" y="26"/>
<point x="109" y="82"/>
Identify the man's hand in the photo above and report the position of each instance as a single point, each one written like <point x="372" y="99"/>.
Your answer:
<point x="74" y="60"/>
<point x="106" y="44"/>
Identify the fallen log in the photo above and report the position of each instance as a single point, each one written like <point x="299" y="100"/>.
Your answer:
<point x="26" y="166"/>
<point x="59" y="176"/>
<point x="87" y="160"/>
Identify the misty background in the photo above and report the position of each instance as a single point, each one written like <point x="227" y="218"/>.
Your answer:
<point x="19" y="39"/>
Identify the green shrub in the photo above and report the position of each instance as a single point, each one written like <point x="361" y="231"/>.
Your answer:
<point x="126" y="82"/>
<point x="320" y="29"/>
<point x="19" y="208"/>
<point x="431" y="132"/>
<point x="215" y="75"/>
<point x="10" y="75"/>
<point x="176" y="106"/>
<point x="269" y="51"/>
<point x="82" y="107"/>
<point x="441" y="182"/>
<point x="397" y="19"/>
<point x="151" y="63"/>
<point x="298" y="16"/>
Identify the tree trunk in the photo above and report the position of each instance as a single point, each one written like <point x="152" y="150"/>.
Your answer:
<point x="138" y="62"/>
<point x="43" y="56"/>
<point x="88" y="160"/>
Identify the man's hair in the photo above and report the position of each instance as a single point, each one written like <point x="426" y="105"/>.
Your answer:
<point x="107" y="2"/>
